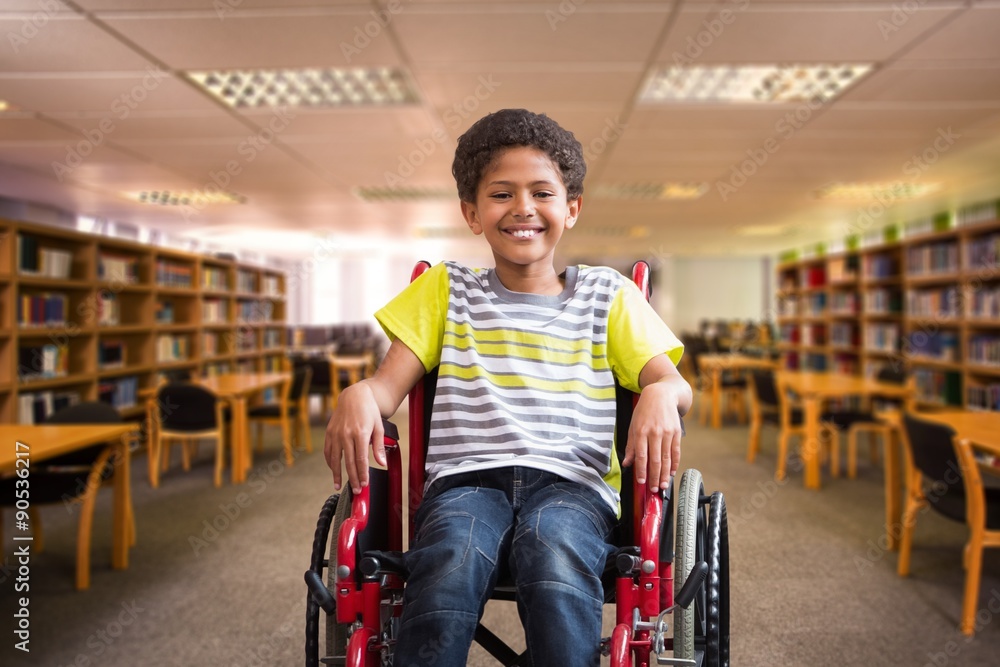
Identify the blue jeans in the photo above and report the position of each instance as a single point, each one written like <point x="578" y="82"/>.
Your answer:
<point x="550" y="535"/>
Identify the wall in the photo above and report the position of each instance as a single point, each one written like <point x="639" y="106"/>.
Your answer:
<point x="716" y="288"/>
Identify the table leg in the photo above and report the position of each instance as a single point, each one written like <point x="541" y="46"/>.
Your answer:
<point x="716" y="397"/>
<point x="239" y="440"/>
<point x="893" y="479"/>
<point x="810" y="448"/>
<point x="122" y="502"/>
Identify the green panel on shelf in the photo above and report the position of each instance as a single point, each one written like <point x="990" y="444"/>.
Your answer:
<point x="788" y="256"/>
<point x="943" y="221"/>
<point x="853" y="242"/>
<point x="892" y="233"/>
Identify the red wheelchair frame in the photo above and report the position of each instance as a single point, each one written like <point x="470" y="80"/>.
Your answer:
<point x="368" y="606"/>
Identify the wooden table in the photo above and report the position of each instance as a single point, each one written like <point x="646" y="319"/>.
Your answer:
<point x="356" y="366"/>
<point x="236" y="388"/>
<point x="715" y="364"/>
<point x="49" y="441"/>
<point x="815" y="387"/>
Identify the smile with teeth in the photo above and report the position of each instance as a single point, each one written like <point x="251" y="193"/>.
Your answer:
<point x="523" y="233"/>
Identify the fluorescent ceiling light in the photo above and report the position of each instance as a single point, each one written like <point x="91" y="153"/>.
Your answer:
<point x="651" y="191"/>
<point x="414" y="194"/>
<point x="883" y="191"/>
<point x="751" y="83"/>
<point x="314" y="87"/>
<point x="764" y="230"/>
<point x="185" y="197"/>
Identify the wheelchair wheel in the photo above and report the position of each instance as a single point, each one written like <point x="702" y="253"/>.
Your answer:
<point x="717" y="585"/>
<point x="689" y="550"/>
<point x="336" y="633"/>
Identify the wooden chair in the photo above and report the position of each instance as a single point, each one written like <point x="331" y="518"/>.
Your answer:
<point x="770" y="403"/>
<point x="73" y="478"/>
<point x="292" y="407"/>
<point x="865" y="421"/>
<point x="187" y="412"/>
<point x="942" y="472"/>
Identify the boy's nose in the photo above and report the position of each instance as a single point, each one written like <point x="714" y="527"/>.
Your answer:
<point x="524" y="207"/>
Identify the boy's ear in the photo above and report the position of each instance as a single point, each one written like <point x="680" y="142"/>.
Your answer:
<point x="471" y="215"/>
<point x="574" y="207"/>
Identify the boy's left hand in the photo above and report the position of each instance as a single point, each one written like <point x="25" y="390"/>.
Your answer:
<point x="654" y="437"/>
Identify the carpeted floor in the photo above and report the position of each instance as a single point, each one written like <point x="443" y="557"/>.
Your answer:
<point x="216" y="576"/>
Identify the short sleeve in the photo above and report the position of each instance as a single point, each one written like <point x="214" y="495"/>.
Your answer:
<point x="636" y="334"/>
<point x="416" y="316"/>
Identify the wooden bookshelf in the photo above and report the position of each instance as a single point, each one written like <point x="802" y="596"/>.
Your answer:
<point x="99" y="318"/>
<point x="929" y="302"/>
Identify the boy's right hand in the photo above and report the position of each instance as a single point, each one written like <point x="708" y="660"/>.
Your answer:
<point x="355" y="424"/>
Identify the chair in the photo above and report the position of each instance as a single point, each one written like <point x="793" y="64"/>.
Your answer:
<point x="74" y="477"/>
<point x="187" y="412"/>
<point x="865" y="421"/>
<point x="292" y="406"/>
<point x="770" y="403"/>
<point x="733" y="387"/>
<point x="942" y="472"/>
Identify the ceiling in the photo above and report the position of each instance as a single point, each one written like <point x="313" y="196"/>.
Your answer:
<point x="108" y="78"/>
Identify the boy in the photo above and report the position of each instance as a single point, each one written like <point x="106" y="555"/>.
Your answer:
<point x="521" y="472"/>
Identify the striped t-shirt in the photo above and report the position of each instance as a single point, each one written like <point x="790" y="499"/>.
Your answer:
<point x="528" y="379"/>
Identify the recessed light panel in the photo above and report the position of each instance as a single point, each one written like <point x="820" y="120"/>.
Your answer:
<point x="185" y="197"/>
<point x="883" y="191"/>
<point x="651" y="191"/>
<point x="329" y="87"/>
<point x="751" y="83"/>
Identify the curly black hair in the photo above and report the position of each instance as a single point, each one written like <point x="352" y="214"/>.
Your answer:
<point x="484" y="142"/>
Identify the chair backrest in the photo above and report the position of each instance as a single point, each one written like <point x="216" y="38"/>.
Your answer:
<point x="186" y="407"/>
<point x="765" y="388"/>
<point x="932" y="451"/>
<point x="892" y="373"/>
<point x="87" y="412"/>
<point x="300" y="383"/>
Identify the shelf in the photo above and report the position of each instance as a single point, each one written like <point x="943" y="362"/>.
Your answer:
<point x="980" y="369"/>
<point x="931" y="362"/>
<point x="121" y="281"/>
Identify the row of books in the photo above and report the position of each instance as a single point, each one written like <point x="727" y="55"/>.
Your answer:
<point x="245" y="282"/>
<point x="843" y="269"/>
<point x="42" y="361"/>
<point x="940" y="387"/>
<point x="270" y="286"/>
<point x="111" y="354"/>
<point x="812" y="276"/>
<point x="939" y="257"/>
<point x="41" y="309"/>
<point x="172" y="348"/>
<point x="843" y="334"/>
<point x="814" y="334"/>
<point x="943" y="302"/>
<point x="35" y="407"/>
<point x="936" y="345"/>
<point x="109" y="310"/>
<point x="35" y="260"/>
<point x="984" y="253"/>
<point x="210" y="344"/>
<point x="121" y="392"/>
<point x="984" y="350"/>
<point x="118" y="269"/>
<point x="983" y="397"/>
<point x="882" y="337"/>
<point x="844" y="303"/>
<point x="213" y="311"/>
<point x="271" y="339"/>
<point x="814" y="305"/>
<point x="214" y="279"/>
<point x="171" y="274"/>
<point x="254" y="311"/>
<point x="164" y="312"/>
<point x="878" y="267"/>
<point x="985" y="302"/>
<point x="881" y="301"/>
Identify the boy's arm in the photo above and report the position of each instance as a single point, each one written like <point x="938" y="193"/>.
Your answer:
<point x="357" y="419"/>
<point x="654" y="437"/>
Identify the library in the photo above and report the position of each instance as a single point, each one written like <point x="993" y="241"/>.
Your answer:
<point x="204" y="204"/>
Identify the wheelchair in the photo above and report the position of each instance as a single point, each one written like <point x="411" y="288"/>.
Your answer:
<point x="356" y="573"/>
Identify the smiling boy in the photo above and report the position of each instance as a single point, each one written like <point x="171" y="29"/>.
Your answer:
<point x="522" y="478"/>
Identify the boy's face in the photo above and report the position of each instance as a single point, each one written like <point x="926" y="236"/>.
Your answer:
<point x="521" y="209"/>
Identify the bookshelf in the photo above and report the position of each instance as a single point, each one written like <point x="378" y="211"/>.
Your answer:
<point x="929" y="301"/>
<point x="85" y="317"/>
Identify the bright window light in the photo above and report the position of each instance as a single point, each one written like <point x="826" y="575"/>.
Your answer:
<point x="329" y="87"/>
<point x="751" y="83"/>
